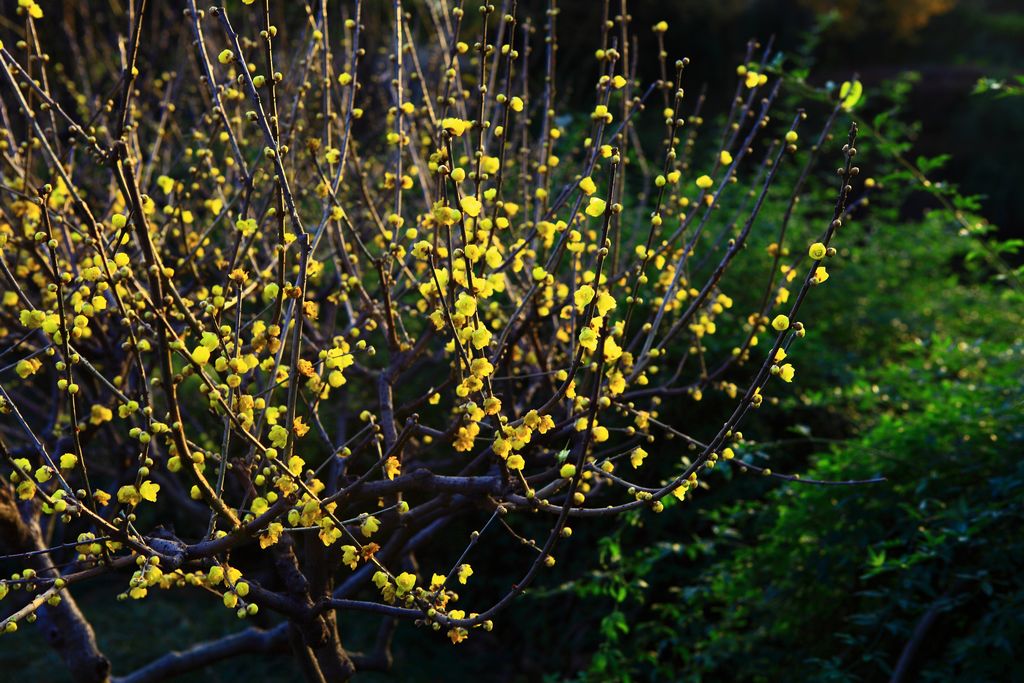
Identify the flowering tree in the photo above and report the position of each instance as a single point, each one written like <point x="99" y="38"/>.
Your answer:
<point x="270" y="324"/>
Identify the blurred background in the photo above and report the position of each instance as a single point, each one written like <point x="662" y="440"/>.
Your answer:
<point x="950" y="43"/>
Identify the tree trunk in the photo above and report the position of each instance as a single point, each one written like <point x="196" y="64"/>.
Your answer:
<point x="64" y="626"/>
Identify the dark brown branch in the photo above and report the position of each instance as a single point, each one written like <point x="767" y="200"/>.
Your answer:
<point x="250" y="641"/>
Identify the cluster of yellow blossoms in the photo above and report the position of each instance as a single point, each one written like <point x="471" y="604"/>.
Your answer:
<point x="470" y="308"/>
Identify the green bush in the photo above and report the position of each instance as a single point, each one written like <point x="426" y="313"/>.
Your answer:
<point x="918" y="381"/>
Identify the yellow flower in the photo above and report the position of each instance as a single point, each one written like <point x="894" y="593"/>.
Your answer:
<point x="465" y="571"/>
<point x="636" y="458"/>
<point x="445" y="215"/>
<point x="405" y="583"/>
<point x="33" y="9"/>
<point x="128" y="495"/>
<point x="471" y="205"/>
<point x="492" y="405"/>
<point x="350" y="556"/>
<point x="481" y="337"/>
<point x="421" y="250"/>
<point x="201" y="355"/>
<point x="32" y="319"/>
<point x="514" y="462"/>
<point x="465" y="305"/>
<point x="215" y="575"/>
<point x="148" y="491"/>
<point x="481" y="367"/>
<point x="786" y="372"/>
<point x="612" y="351"/>
<point x="516" y="103"/>
<point x="454" y="126"/>
<point x="68" y="461"/>
<point x="725" y="157"/>
<point x="272" y="535"/>
<point x="392" y="467"/>
<point x="502" y="447"/>
<point x="226" y="57"/>
<point x="588" y="185"/>
<point x="567" y="471"/>
<point x="792" y="137"/>
<point x="329" y="534"/>
<point x="817" y="251"/>
<point x="588" y="339"/>
<point x="369" y="526"/>
<point x="99" y="414"/>
<point x="234" y="575"/>
<point x="820" y="274"/>
<point x="781" y="323"/>
<point x="596" y="207"/>
<point x="26" y="489"/>
<point x="605" y="303"/>
<point x="490" y="165"/>
<point x="704" y="182"/>
<point x="616" y="383"/>
<point x="26" y="368"/>
<point x="278" y="436"/>
<point x="583" y="296"/>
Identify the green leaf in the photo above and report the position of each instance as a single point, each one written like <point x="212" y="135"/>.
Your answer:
<point x="850" y="93"/>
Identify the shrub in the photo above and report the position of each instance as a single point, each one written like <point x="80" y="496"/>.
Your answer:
<point x="310" y="336"/>
<point x="916" y="379"/>
<point x="918" y="581"/>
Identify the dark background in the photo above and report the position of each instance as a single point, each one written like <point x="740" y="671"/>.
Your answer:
<point x="951" y="43"/>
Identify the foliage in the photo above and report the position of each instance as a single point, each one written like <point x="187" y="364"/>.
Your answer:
<point x="991" y="86"/>
<point x="903" y="19"/>
<point x="919" y="382"/>
<point x="938" y="540"/>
